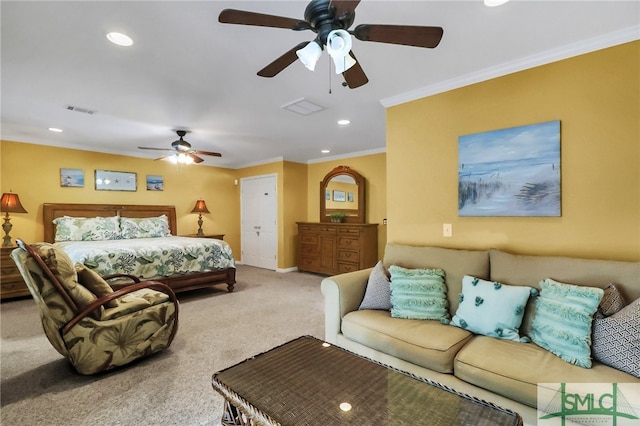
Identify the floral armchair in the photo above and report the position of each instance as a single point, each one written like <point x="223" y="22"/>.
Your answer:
<point x="86" y="321"/>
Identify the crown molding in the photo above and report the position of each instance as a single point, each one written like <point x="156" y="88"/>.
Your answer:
<point x="614" y="38"/>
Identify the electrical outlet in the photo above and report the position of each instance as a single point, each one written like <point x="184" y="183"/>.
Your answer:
<point x="447" y="230"/>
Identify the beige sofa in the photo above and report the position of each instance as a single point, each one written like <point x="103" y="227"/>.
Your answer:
<point x="500" y="371"/>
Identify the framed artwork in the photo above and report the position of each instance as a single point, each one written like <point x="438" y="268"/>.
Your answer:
<point x="107" y="180"/>
<point x="72" y="178"/>
<point x="350" y="197"/>
<point x="327" y="194"/>
<point x="339" y="196"/>
<point x="155" y="183"/>
<point x="510" y="172"/>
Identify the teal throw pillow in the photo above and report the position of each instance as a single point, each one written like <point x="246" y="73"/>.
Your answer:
<point x="491" y="308"/>
<point x="418" y="294"/>
<point x="562" y="320"/>
<point x="377" y="295"/>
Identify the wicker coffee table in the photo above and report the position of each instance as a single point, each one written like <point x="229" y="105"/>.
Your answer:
<point x="309" y="382"/>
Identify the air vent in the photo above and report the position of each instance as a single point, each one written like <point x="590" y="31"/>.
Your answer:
<point x="80" y="109"/>
<point x="302" y="107"/>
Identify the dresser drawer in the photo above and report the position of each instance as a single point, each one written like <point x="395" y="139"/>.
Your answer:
<point x="311" y="239"/>
<point x="347" y="267"/>
<point x="309" y="263"/>
<point x="349" y="243"/>
<point x="309" y="249"/>
<point x="349" y="230"/>
<point x="308" y="229"/>
<point x="348" y="256"/>
<point x="328" y="230"/>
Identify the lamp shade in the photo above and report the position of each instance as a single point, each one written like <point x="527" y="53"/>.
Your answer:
<point x="10" y="203"/>
<point x="200" y="207"/>
<point x="338" y="46"/>
<point x="310" y="54"/>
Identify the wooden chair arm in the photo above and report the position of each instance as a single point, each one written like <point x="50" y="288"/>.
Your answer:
<point x="153" y="285"/>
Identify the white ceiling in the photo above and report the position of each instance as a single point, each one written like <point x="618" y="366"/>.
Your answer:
<point x="186" y="70"/>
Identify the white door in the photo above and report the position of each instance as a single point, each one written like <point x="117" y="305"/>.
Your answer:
<point x="259" y="209"/>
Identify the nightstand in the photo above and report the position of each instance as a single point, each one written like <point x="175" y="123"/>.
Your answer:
<point x="215" y="236"/>
<point x="11" y="282"/>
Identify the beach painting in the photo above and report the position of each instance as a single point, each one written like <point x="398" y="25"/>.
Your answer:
<point x="155" y="183"/>
<point x="73" y="178"/>
<point x="510" y="172"/>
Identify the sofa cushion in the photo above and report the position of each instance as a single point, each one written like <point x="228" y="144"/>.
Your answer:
<point x="514" y="369"/>
<point x="427" y="343"/>
<point x="418" y="294"/>
<point x="562" y="323"/>
<point x="616" y="339"/>
<point x="454" y="262"/>
<point x="491" y="308"/>
<point x="377" y="295"/>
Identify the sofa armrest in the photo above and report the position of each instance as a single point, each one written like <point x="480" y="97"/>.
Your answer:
<point x="342" y="294"/>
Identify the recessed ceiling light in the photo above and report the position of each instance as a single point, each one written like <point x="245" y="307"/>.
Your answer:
<point x="325" y="151"/>
<point x="343" y="122"/>
<point x="493" y="3"/>
<point x="55" y="129"/>
<point x="119" y="39"/>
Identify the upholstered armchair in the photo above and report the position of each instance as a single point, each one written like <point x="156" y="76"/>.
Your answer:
<point x="86" y="321"/>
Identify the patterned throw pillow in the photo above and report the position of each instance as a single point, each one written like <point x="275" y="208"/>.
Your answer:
<point x="492" y="308"/>
<point x="148" y="227"/>
<point x="418" y="294"/>
<point x="86" y="229"/>
<point x="378" y="292"/>
<point x="611" y="302"/>
<point x="62" y="268"/>
<point x="616" y="339"/>
<point x="94" y="283"/>
<point x="562" y="320"/>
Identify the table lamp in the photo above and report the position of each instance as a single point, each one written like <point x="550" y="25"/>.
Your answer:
<point x="9" y="203"/>
<point x="200" y="207"/>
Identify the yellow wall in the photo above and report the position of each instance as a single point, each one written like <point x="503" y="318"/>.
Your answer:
<point x="597" y="98"/>
<point x="33" y="172"/>
<point x="373" y="168"/>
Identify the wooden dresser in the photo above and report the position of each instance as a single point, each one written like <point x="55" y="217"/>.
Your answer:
<point x="11" y="282"/>
<point x="335" y="248"/>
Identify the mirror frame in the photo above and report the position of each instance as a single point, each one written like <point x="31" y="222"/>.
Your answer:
<point x="325" y="212"/>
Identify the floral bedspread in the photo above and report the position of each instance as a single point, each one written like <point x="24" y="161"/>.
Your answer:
<point x="151" y="257"/>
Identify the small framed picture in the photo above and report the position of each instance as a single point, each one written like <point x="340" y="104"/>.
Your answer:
<point x="155" y="183"/>
<point x="339" y="196"/>
<point x="327" y="194"/>
<point x="72" y="178"/>
<point x="107" y="180"/>
<point x="350" y="197"/>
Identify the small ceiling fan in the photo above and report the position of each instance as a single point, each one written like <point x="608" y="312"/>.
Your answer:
<point x="182" y="152"/>
<point x="330" y="20"/>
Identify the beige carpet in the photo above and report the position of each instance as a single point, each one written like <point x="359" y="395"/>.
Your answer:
<point x="216" y="330"/>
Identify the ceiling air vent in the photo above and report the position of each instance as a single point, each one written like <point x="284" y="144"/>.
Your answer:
<point x="80" y="109"/>
<point x="302" y="107"/>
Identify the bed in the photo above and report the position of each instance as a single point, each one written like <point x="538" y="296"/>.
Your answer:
<point x="183" y="263"/>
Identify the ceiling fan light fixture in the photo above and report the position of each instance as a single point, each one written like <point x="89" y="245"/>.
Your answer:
<point x="338" y="46"/>
<point x="310" y="54"/>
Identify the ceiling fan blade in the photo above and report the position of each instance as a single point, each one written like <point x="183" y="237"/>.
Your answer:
<point x="155" y="149"/>
<point x="355" y="76"/>
<point x="215" y="154"/>
<point x="282" y="62"/>
<point x="343" y="7"/>
<point x="162" y="158"/>
<point x="400" y="34"/>
<point x="233" y="16"/>
<point x="195" y="158"/>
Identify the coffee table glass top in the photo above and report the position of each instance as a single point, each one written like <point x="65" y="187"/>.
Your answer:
<point x="309" y="382"/>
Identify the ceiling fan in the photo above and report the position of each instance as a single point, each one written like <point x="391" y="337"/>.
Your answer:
<point x="182" y="152"/>
<point x="330" y="20"/>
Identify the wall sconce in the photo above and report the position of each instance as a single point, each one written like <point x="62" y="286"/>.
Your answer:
<point x="200" y="207"/>
<point x="9" y="203"/>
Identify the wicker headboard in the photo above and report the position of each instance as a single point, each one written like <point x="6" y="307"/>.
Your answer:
<point x="52" y="211"/>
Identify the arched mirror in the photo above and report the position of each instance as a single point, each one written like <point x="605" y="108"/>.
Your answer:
<point x="342" y="192"/>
